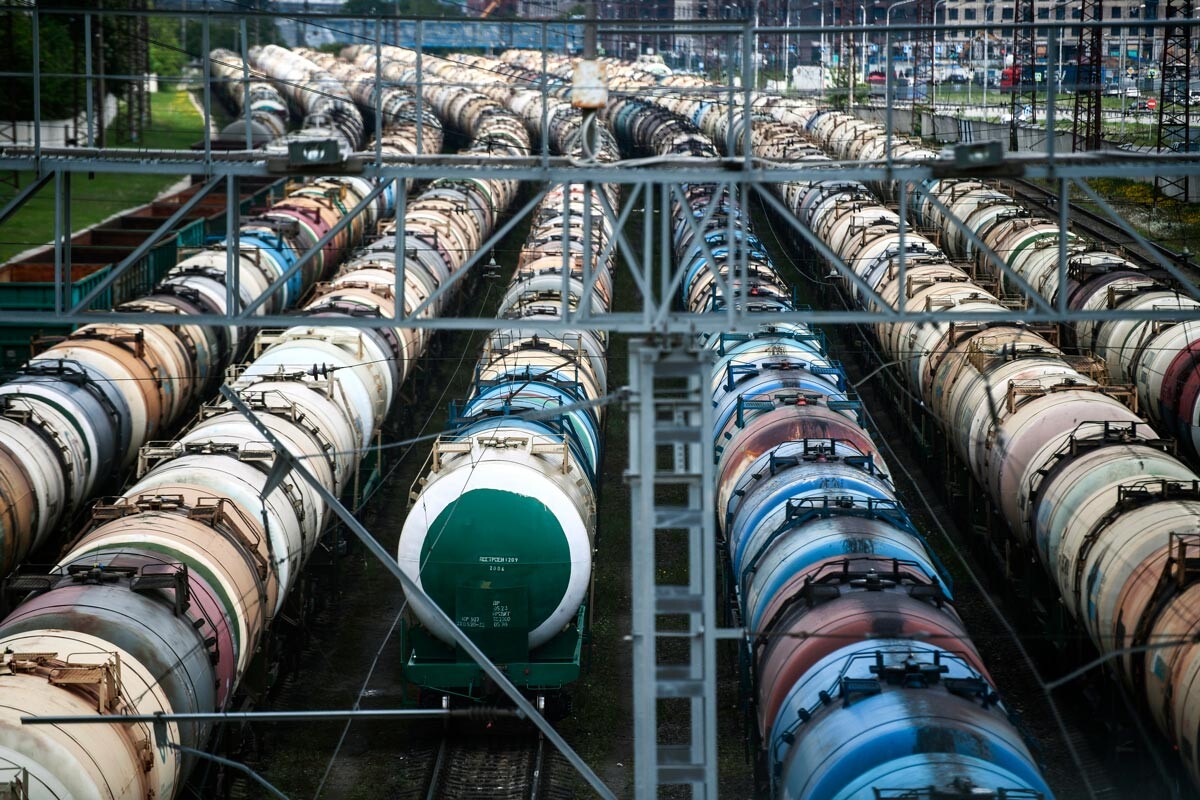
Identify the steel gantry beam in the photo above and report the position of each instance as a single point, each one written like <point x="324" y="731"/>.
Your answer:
<point x="654" y="272"/>
<point x="1087" y="128"/>
<point x="1174" y="98"/>
<point x="17" y="203"/>
<point x="672" y="484"/>
<point x="1028" y="164"/>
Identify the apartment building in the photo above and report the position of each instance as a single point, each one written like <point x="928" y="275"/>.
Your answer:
<point x="1133" y="24"/>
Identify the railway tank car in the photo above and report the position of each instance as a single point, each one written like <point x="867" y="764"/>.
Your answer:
<point x="1077" y="475"/>
<point x="257" y="98"/>
<point x="864" y="678"/>
<point x="395" y="105"/>
<point x="321" y="100"/>
<point x="1157" y="357"/>
<point x="164" y="602"/>
<point x="81" y="411"/>
<point x="501" y="528"/>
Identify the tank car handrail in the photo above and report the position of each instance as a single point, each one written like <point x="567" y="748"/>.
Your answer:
<point x="920" y="584"/>
<point x="911" y="673"/>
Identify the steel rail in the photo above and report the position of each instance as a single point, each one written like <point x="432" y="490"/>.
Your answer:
<point x="287" y="462"/>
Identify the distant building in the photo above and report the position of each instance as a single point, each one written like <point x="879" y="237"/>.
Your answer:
<point x="1133" y="23"/>
<point x="1132" y="38"/>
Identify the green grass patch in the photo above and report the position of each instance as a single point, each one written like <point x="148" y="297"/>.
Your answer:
<point x="1169" y="222"/>
<point x="176" y="125"/>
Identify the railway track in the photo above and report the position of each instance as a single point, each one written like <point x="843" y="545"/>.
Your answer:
<point x="1101" y="228"/>
<point x="495" y="767"/>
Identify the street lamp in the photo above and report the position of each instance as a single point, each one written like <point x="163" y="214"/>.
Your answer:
<point x="863" y="49"/>
<point x="1142" y="11"/>
<point x="894" y="6"/>
<point x="756" y="55"/>
<point x="820" y="4"/>
<point x="1062" y="6"/>
<point x="734" y="56"/>
<point x="986" y="41"/>
<point x="888" y="34"/>
<point x="1151" y="9"/>
<point x="787" y="44"/>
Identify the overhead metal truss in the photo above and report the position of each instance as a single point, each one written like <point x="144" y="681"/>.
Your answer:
<point x="647" y="184"/>
<point x="652" y="267"/>
<point x="1174" y="100"/>
<point x="742" y="36"/>
<point x="57" y="166"/>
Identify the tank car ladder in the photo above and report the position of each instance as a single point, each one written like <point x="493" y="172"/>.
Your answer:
<point x="670" y="435"/>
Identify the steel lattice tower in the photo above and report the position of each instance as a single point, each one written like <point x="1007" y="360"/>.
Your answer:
<point x="1087" y="128"/>
<point x="847" y="63"/>
<point x="923" y="52"/>
<point x="1024" y="87"/>
<point x="1173" y="102"/>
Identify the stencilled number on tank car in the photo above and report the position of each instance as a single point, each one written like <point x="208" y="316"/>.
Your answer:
<point x="498" y="559"/>
<point x="501" y="615"/>
<point x="470" y="622"/>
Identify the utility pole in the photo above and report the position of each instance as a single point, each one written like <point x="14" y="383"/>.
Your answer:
<point x="986" y="39"/>
<point x="1174" y="98"/>
<point x="845" y="17"/>
<point x="589" y="91"/>
<point x="1024" y="83"/>
<point x="1087" y="128"/>
<point x="922" y="55"/>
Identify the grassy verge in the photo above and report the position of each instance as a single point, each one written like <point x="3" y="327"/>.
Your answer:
<point x="1172" y="223"/>
<point x="176" y="124"/>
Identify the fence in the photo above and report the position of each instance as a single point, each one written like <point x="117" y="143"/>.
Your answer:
<point x="58" y="132"/>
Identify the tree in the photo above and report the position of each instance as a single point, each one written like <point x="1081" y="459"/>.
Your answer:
<point x="167" y="56"/>
<point x="57" y="50"/>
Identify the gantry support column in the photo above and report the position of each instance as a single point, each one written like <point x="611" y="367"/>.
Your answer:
<point x="675" y="627"/>
<point x="1024" y="80"/>
<point x="1087" y="128"/>
<point x="1174" y="98"/>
